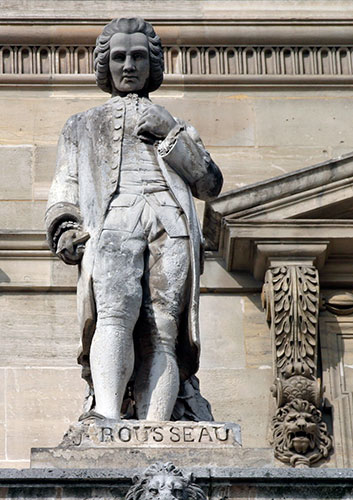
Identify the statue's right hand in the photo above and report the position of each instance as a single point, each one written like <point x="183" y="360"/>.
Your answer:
<point x="71" y="246"/>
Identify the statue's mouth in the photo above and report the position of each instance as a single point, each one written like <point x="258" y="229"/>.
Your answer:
<point x="301" y="441"/>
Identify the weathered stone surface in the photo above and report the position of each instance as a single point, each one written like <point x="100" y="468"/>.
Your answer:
<point x="236" y="483"/>
<point x="216" y="278"/>
<point x="221" y="120"/>
<point x="16" y="172"/>
<point x="27" y="118"/>
<point x="44" y="161"/>
<point x="86" y="442"/>
<point x="61" y="275"/>
<point x="2" y="415"/>
<point x="197" y="9"/>
<point x="228" y="391"/>
<point x="336" y="337"/>
<point x="24" y="337"/>
<point x="105" y="433"/>
<point x="28" y="271"/>
<point x="316" y="120"/>
<point x="243" y="166"/>
<point x="222" y="329"/>
<point x="257" y="336"/>
<point x="125" y="457"/>
<point x="22" y="214"/>
<point x="14" y="464"/>
<point x="38" y="408"/>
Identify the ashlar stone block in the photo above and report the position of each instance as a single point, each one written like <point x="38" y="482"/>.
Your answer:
<point x="44" y="167"/>
<point x="222" y="335"/>
<point x="22" y="214"/>
<point x="16" y="172"/>
<point x="44" y="334"/>
<point x="310" y="120"/>
<point x="258" y="347"/>
<point x="2" y="415"/>
<point x="40" y="405"/>
<point x="220" y="121"/>
<point x="25" y="118"/>
<point x="243" y="166"/>
<point x="241" y="396"/>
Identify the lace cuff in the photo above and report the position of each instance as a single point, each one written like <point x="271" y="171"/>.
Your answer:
<point x="169" y="142"/>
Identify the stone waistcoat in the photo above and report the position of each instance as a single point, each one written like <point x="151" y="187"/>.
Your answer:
<point x="141" y="176"/>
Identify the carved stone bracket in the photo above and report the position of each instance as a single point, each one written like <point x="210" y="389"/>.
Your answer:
<point x="291" y="300"/>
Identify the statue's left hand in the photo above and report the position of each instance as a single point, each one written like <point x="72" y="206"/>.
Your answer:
<point x="155" y="121"/>
<point x="71" y="246"/>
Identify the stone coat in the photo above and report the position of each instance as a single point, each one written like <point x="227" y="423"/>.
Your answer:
<point x="86" y="178"/>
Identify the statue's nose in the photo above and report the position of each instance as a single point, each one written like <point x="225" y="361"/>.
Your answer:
<point x="129" y="64"/>
<point x="166" y="495"/>
<point x="301" y="423"/>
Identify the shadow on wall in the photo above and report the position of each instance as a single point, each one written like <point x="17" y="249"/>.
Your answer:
<point x="4" y="278"/>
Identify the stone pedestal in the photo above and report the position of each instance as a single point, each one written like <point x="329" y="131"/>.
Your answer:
<point x="107" y="444"/>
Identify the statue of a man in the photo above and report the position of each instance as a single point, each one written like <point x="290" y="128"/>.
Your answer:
<point x="121" y="208"/>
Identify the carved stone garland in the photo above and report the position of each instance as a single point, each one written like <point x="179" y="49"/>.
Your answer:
<point x="291" y="299"/>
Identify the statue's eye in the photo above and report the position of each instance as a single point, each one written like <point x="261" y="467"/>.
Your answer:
<point x="291" y="418"/>
<point x="153" y="491"/>
<point x="118" y="56"/>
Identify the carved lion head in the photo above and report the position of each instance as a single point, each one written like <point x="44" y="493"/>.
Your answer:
<point x="164" y="482"/>
<point x="299" y="435"/>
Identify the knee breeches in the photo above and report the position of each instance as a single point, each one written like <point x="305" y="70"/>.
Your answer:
<point x="141" y="278"/>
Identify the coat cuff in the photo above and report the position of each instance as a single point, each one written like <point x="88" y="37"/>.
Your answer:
<point x="169" y="142"/>
<point x="60" y="218"/>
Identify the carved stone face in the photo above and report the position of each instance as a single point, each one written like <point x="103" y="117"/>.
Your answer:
<point x="299" y="435"/>
<point x="300" y="431"/>
<point x="165" y="487"/>
<point x="129" y="62"/>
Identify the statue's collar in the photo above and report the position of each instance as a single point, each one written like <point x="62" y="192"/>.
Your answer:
<point x="129" y="97"/>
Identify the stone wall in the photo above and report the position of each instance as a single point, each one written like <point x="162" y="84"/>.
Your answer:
<point x="267" y="97"/>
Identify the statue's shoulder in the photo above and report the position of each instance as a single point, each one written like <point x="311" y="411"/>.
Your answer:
<point x="78" y="125"/>
<point x="89" y="114"/>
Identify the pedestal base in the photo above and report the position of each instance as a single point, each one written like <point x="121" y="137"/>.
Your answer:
<point x="109" y="444"/>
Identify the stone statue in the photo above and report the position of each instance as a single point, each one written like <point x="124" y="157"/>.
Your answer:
<point x="121" y="208"/>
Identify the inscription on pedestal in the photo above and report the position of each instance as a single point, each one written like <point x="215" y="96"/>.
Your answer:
<point x="156" y="434"/>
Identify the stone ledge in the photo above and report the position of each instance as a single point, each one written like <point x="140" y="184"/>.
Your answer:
<point x="233" y="474"/>
<point x="217" y="483"/>
<point x="185" y="81"/>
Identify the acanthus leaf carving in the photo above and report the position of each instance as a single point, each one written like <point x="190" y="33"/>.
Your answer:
<point x="291" y="300"/>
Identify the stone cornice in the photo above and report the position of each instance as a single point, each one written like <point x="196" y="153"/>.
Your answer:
<point x="293" y="195"/>
<point x="186" y="32"/>
<point x="186" y="81"/>
<point x="205" y="52"/>
<point x="254" y="246"/>
<point x="202" y="10"/>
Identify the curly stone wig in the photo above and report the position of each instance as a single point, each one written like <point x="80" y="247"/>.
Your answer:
<point x="128" y="26"/>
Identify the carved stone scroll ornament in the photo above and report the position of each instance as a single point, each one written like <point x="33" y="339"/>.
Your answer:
<point x="164" y="482"/>
<point x="291" y="299"/>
